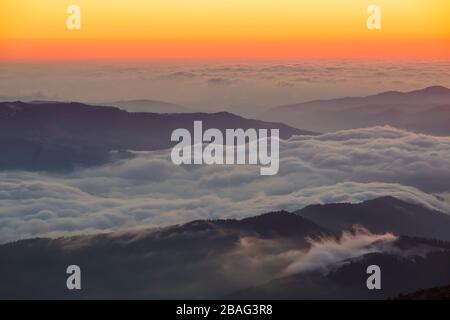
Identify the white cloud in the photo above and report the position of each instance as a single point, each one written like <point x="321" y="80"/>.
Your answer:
<point x="328" y="253"/>
<point x="347" y="166"/>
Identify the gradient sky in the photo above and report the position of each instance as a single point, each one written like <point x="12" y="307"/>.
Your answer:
<point x="156" y="29"/>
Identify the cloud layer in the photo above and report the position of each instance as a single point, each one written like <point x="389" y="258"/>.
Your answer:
<point x="246" y="87"/>
<point x="346" y="166"/>
<point x="329" y="253"/>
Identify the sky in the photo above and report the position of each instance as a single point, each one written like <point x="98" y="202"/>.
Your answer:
<point x="238" y="29"/>
<point x="213" y="55"/>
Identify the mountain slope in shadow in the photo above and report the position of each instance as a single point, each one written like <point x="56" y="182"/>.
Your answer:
<point x="425" y="111"/>
<point x="399" y="274"/>
<point x="200" y="259"/>
<point x="385" y="214"/>
<point x="438" y="293"/>
<point x="62" y="136"/>
<point x="207" y="259"/>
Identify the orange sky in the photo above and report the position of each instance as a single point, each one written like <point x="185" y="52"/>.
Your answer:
<point x="158" y="29"/>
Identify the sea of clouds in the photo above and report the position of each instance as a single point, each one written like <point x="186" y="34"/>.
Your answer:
<point x="246" y="88"/>
<point x="346" y="166"/>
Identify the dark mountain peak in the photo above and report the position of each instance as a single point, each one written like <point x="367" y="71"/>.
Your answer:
<point x="385" y="94"/>
<point x="425" y="92"/>
<point x="384" y="201"/>
<point x="412" y="110"/>
<point x="392" y="96"/>
<point x="268" y="225"/>
<point x="148" y="105"/>
<point x="380" y="215"/>
<point x="278" y="223"/>
<point x="51" y="106"/>
<point x="389" y="201"/>
<point x="436" y="293"/>
<point x="433" y="90"/>
<point x="57" y="136"/>
<point x="272" y="216"/>
<point x="198" y="225"/>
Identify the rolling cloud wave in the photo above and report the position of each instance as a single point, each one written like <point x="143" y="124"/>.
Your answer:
<point x="347" y="166"/>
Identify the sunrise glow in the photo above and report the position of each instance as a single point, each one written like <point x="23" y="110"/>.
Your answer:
<point x="158" y="29"/>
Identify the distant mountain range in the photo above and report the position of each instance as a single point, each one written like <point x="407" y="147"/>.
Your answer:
<point x="145" y="105"/>
<point x="242" y="259"/>
<point x="426" y="111"/>
<point x="59" y="136"/>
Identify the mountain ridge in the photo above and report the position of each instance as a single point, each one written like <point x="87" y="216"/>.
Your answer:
<point x="60" y="136"/>
<point x="403" y="110"/>
<point x="212" y="259"/>
<point x="148" y="105"/>
<point x="383" y="214"/>
<point x="385" y="94"/>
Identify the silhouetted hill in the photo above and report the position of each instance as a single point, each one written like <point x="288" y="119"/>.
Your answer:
<point x="386" y="214"/>
<point x="275" y="224"/>
<point x="181" y="261"/>
<point x="145" y="105"/>
<point x="58" y="136"/>
<point x="424" y="110"/>
<point x="400" y="272"/>
<point x="439" y="293"/>
<point x="237" y="259"/>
